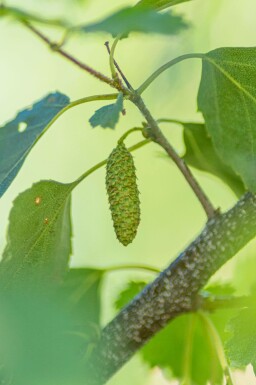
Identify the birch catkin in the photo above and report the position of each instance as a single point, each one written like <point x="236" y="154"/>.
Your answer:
<point x="123" y="194"/>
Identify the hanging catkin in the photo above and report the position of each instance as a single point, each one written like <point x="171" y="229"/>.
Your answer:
<point x="123" y="194"/>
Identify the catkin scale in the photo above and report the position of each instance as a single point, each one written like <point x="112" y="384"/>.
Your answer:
<point x="123" y="194"/>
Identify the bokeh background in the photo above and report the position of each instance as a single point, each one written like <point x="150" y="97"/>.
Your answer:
<point x="171" y="215"/>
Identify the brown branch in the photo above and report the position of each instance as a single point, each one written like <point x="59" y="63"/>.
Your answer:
<point x="175" y="290"/>
<point x="56" y="48"/>
<point x="157" y="136"/>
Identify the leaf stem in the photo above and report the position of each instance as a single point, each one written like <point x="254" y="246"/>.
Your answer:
<point x="217" y="343"/>
<point x="56" y="48"/>
<point x="175" y="121"/>
<point x="123" y="137"/>
<point x="114" y="64"/>
<point x="157" y="136"/>
<point x="166" y="66"/>
<point x="104" y="162"/>
<point x="75" y="103"/>
<point x="132" y="267"/>
<point x="189" y="350"/>
<point x="111" y="58"/>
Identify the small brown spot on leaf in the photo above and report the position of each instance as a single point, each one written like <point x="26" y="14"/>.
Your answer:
<point x="46" y="221"/>
<point x="38" y="200"/>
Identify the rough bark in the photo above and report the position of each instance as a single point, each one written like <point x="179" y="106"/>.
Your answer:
<point x="174" y="291"/>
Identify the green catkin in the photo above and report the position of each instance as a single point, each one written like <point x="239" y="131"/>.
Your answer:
<point x="123" y="194"/>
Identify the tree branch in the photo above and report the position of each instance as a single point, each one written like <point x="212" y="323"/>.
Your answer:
<point x="157" y="136"/>
<point x="175" y="290"/>
<point x="56" y="48"/>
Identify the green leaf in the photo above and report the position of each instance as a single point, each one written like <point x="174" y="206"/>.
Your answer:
<point x="19" y="135"/>
<point x="38" y="343"/>
<point x="201" y="154"/>
<point x="81" y="289"/>
<point x="160" y="4"/>
<point x="227" y="99"/>
<point x="220" y="289"/>
<point x="184" y="347"/>
<point x="240" y="347"/>
<point x="132" y="289"/>
<point x="39" y="236"/>
<point x="138" y="19"/>
<point x="108" y="116"/>
<point x="24" y="16"/>
<point x="184" y="350"/>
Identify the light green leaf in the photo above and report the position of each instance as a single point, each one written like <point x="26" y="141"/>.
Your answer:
<point x="24" y="16"/>
<point x="38" y="342"/>
<point x="241" y="347"/>
<point x="184" y="350"/>
<point x="227" y="99"/>
<point x="39" y="236"/>
<point x="108" y="116"/>
<point x="138" y="19"/>
<point x="201" y="154"/>
<point x="132" y="289"/>
<point x="160" y="4"/>
<point x="19" y="135"/>
<point x="81" y="289"/>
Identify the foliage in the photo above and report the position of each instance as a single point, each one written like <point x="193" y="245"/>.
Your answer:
<point x="18" y="136"/>
<point x="227" y="100"/>
<point x="201" y="154"/>
<point x="137" y="19"/>
<point x="50" y="313"/>
<point x="108" y="116"/>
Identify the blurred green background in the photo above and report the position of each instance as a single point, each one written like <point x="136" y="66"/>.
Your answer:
<point x="171" y="215"/>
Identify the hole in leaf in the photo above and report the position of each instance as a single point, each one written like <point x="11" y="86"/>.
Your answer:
<point x="22" y="126"/>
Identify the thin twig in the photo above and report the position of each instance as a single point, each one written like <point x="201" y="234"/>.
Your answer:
<point x="118" y="68"/>
<point x="56" y="48"/>
<point x="157" y="136"/>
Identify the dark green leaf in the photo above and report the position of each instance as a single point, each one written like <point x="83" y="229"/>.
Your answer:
<point x="160" y="4"/>
<point x="241" y="347"/>
<point x="138" y="19"/>
<point x="19" y="135"/>
<point x="39" y="236"/>
<point x="201" y="154"/>
<point x="108" y="116"/>
<point x="132" y="289"/>
<point x="227" y="99"/>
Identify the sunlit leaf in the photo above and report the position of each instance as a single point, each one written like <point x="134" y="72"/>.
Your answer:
<point x="126" y="295"/>
<point x="138" y="19"/>
<point x="108" y="116"/>
<point x="39" y="236"/>
<point x="19" y="135"/>
<point x="201" y="154"/>
<point x="227" y="99"/>
<point x="241" y="345"/>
